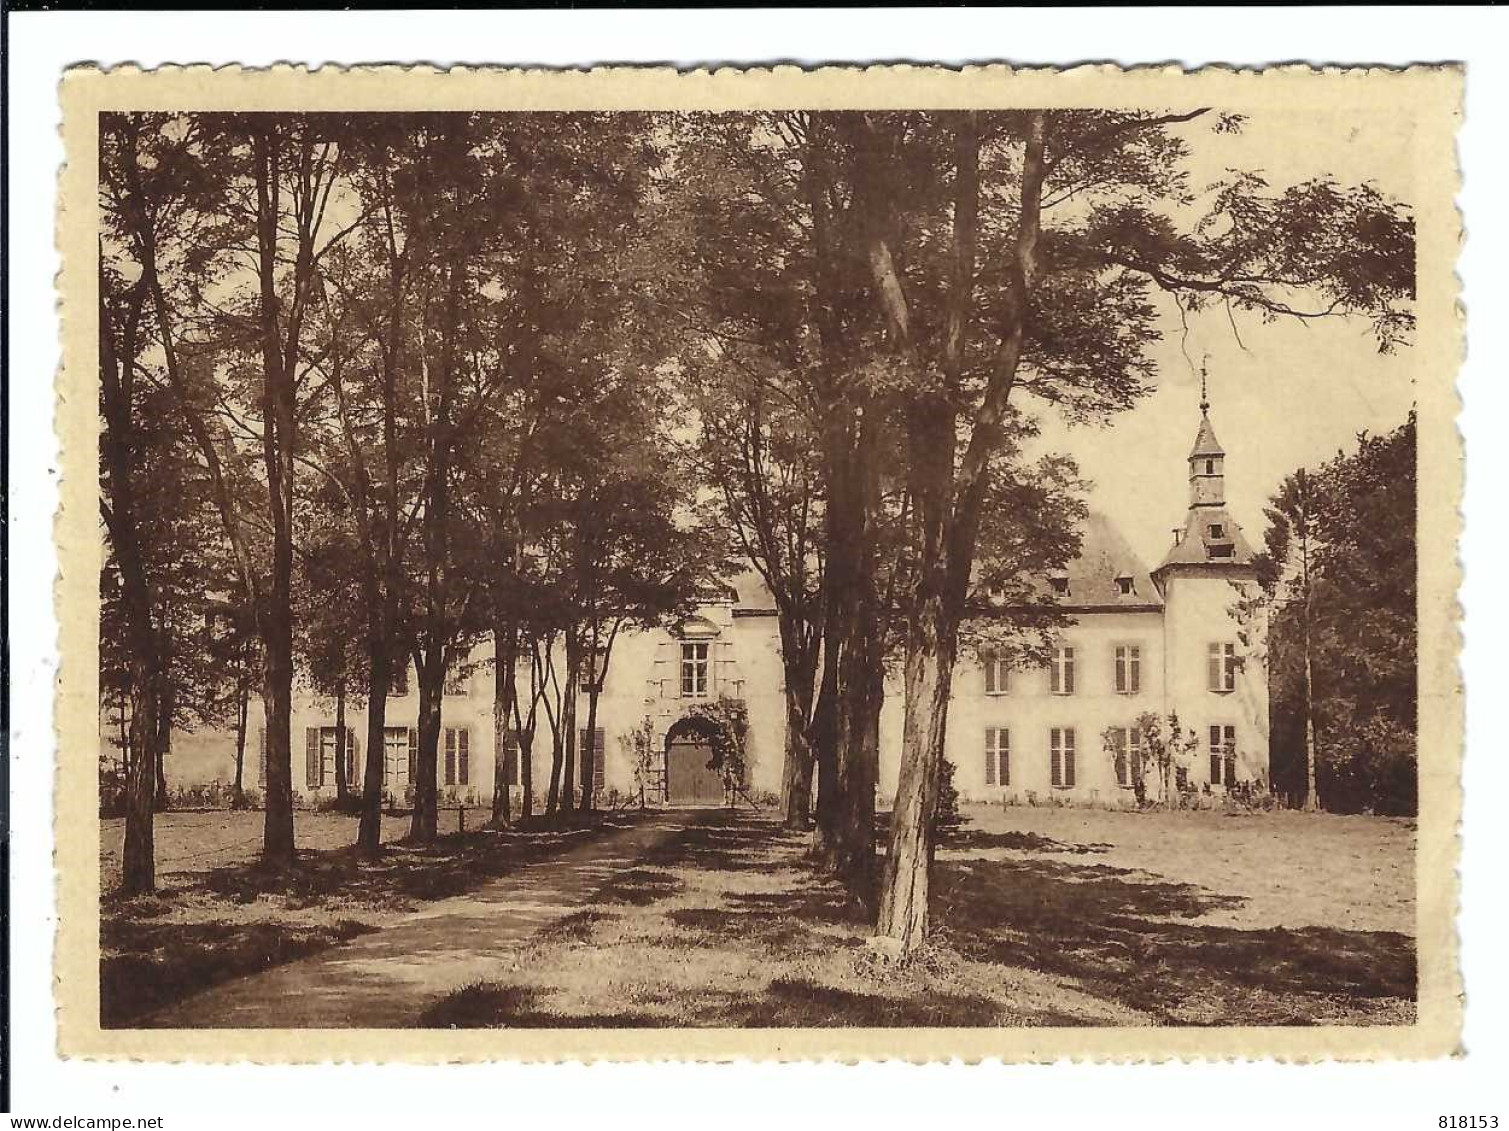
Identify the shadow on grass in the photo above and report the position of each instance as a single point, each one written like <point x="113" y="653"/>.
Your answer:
<point x="488" y="1005"/>
<point x="147" y="965"/>
<point x="1123" y="940"/>
<point x="150" y="960"/>
<point x="1109" y="933"/>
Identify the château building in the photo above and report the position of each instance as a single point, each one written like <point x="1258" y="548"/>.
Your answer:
<point x="1136" y="641"/>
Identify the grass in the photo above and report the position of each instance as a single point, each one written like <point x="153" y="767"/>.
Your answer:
<point x="1042" y="917"/>
<point x="218" y="915"/>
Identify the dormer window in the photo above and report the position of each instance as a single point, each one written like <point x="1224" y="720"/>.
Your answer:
<point x="1125" y="585"/>
<point x="1059" y="583"/>
<point x="1217" y="531"/>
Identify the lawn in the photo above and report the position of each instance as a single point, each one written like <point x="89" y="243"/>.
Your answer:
<point x="1043" y="917"/>
<point x="217" y="915"/>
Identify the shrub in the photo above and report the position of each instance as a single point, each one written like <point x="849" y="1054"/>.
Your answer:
<point x="946" y="819"/>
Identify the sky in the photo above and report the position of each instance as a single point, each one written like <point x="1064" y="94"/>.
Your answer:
<point x="1294" y="396"/>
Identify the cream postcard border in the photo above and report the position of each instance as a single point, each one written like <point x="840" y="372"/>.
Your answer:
<point x="1430" y="96"/>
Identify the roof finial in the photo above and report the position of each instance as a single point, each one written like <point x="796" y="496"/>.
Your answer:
<point x="1204" y="400"/>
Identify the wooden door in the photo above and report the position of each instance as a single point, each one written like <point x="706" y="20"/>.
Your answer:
<point x="689" y="781"/>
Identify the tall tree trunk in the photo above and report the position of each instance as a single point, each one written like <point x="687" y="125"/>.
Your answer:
<point x="163" y="746"/>
<point x="424" y="824"/>
<point x="342" y="743"/>
<point x="799" y="662"/>
<point x="238" y="789"/>
<point x="567" y="794"/>
<point x="379" y="679"/>
<point x="928" y="677"/>
<point x="278" y="442"/>
<point x="505" y="703"/>
<point x="118" y="440"/>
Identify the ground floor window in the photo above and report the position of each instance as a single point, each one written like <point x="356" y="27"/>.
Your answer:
<point x="1061" y="757"/>
<point x="398" y="754"/>
<point x="509" y="742"/>
<point x="997" y="756"/>
<point x="1223" y="755"/>
<point x="1126" y="747"/>
<point x="458" y="770"/>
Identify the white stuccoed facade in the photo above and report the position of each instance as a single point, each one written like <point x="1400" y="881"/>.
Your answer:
<point x="1009" y="739"/>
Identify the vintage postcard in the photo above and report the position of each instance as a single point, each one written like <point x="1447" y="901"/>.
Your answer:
<point x="887" y="562"/>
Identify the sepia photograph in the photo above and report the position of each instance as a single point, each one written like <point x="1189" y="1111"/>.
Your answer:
<point x="861" y="558"/>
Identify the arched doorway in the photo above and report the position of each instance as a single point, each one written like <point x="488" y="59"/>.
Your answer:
<point x="690" y="779"/>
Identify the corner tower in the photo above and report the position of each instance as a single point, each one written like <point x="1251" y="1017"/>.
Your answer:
<point x="1215" y="677"/>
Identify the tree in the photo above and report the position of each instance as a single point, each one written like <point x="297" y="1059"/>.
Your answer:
<point x="1019" y="251"/>
<point x="1286" y="565"/>
<point x="1343" y="646"/>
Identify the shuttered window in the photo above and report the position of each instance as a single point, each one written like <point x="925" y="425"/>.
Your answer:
<point x="508" y="760"/>
<point x="313" y="767"/>
<point x="413" y="753"/>
<point x="599" y="749"/>
<point x="997" y="676"/>
<point x="1223" y="755"/>
<point x="997" y="756"/>
<point x="1061" y="671"/>
<point x="1061" y="757"/>
<point x="1221" y="667"/>
<point x="261" y="755"/>
<point x="1128" y="669"/>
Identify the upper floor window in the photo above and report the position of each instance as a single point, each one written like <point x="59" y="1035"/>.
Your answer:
<point x="1125" y="585"/>
<point x="997" y="676"/>
<point x="458" y="680"/>
<point x="1060" y="584"/>
<point x="593" y="679"/>
<point x="1061" y="671"/>
<point x="1128" y="669"/>
<point x="1221" y="667"/>
<point x="1217" y="530"/>
<point x="694" y="682"/>
<point x="398" y="679"/>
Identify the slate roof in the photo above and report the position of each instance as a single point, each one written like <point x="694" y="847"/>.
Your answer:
<point x="1104" y="556"/>
<point x="1206" y="443"/>
<point x="1197" y="547"/>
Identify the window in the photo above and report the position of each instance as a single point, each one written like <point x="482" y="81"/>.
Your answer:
<point x="1061" y="671"/>
<point x="1125" y="585"/>
<point x="997" y="676"/>
<point x="1128" y="669"/>
<point x="1060" y="584"/>
<point x="458" y="756"/>
<point x="396" y="753"/>
<point x="1221" y="667"/>
<point x="1217" y="531"/>
<point x="1223" y="755"/>
<point x="599" y="754"/>
<point x="328" y="755"/>
<point x="509" y="741"/>
<point x="1126" y="747"/>
<point x="598" y="672"/>
<point x="694" y="671"/>
<point x="458" y="680"/>
<point x="1210" y="467"/>
<point x="1221" y="549"/>
<point x="997" y="756"/>
<point x="1061" y="757"/>
<point x="398" y="682"/>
